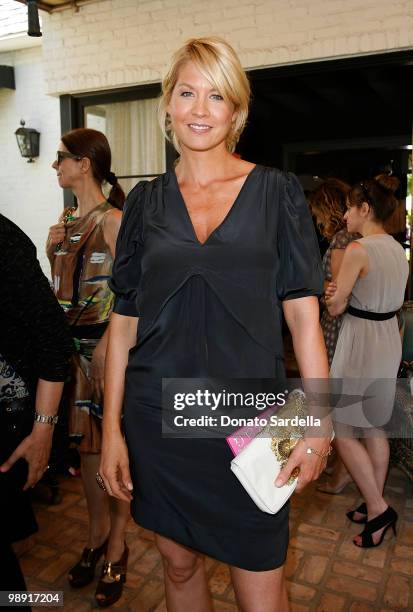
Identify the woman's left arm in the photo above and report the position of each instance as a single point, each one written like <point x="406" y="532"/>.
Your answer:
<point x="302" y="316"/>
<point x="35" y="448"/>
<point x="28" y="295"/>
<point x="111" y="226"/>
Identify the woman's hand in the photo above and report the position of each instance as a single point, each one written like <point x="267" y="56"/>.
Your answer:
<point x="330" y="290"/>
<point x="114" y="467"/>
<point x="35" y="448"/>
<point x="97" y="369"/>
<point x="310" y="465"/>
<point x="57" y="233"/>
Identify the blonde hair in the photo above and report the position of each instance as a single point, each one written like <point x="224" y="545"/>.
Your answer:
<point x="218" y="63"/>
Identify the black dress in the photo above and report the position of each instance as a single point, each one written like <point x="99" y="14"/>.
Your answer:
<point x="207" y="310"/>
<point x="35" y="342"/>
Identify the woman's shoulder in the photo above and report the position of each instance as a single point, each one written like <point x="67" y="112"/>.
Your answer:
<point x="342" y="238"/>
<point x="111" y="219"/>
<point x="284" y="181"/>
<point x="283" y="175"/>
<point x="397" y="247"/>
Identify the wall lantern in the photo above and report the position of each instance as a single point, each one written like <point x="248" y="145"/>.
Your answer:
<point x="33" y="19"/>
<point x="28" y="141"/>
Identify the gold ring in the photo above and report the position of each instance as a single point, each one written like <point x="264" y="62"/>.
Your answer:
<point x="100" y="482"/>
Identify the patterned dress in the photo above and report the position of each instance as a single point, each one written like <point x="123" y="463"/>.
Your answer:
<point x="331" y="325"/>
<point x="81" y="268"/>
<point x="17" y="519"/>
<point x="12" y="386"/>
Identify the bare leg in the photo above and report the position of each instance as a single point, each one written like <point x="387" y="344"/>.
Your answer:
<point x="186" y="584"/>
<point x="96" y="499"/>
<point x="260" y="591"/>
<point x="338" y="480"/>
<point x="359" y="464"/>
<point x="378" y="449"/>
<point x="119" y="516"/>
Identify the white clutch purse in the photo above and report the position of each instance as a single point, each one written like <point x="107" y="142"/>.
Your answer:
<point x="256" y="467"/>
<point x="259" y="463"/>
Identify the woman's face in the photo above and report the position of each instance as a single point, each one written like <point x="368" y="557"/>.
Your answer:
<point x="355" y="218"/>
<point x="201" y="118"/>
<point x="68" y="171"/>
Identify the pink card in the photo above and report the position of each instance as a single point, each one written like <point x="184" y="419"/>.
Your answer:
<point x="240" y="439"/>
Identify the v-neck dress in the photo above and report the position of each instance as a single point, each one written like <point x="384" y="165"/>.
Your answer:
<point x="207" y="310"/>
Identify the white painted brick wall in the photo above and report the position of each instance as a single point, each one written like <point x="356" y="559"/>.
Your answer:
<point x="13" y="17"/>
<point x="29" y="194"/>
<point x="115" y="43"/>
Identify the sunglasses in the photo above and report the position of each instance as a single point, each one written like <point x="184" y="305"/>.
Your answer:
<point x="61" y="155"/>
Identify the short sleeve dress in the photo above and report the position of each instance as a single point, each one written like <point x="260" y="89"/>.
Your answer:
<point x="207" y="310"/>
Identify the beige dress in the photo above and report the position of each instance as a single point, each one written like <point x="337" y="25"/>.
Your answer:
<point x="368" y="353"/>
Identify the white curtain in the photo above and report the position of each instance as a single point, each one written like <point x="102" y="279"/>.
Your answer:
<point x="136" y="141"/>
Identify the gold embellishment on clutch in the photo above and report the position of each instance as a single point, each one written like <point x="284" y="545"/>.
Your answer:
<point x="282" y="448"/>
<point x="285" y="438"/>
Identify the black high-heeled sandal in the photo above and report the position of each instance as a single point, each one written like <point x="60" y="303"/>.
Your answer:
<point x="83" y="572"/>
<point x="112" y="591"/>
<point x="386" y="519"/>
<point x="362" y="509"/>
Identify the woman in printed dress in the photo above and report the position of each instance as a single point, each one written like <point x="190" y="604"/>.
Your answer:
<point x="328" y="205"/>
<point x="81" y="248"/>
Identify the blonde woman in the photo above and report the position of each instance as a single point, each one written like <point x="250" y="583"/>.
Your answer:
<point x="206" y="254"/>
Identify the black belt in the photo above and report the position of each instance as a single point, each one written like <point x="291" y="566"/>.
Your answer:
<point x="373" y="316"/>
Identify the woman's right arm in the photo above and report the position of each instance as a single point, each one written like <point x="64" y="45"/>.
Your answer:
<point x="336" y="261"/>
<point x="114" y="467"/>
<point x="123" y="326"/>
<point x="337" y="256"/>
<point x="355" y="262"/>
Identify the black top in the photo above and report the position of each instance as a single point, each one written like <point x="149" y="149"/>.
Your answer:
<point x="207" y="310"/>
<point x="34" y="335"/>
<point x="264" y="251"/>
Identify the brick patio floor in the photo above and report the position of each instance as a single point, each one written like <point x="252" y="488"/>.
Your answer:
<point x="325" y="571"/>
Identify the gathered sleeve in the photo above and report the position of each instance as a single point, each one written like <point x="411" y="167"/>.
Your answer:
<point x="126" y="271"/>
<point x="300" y="272"/>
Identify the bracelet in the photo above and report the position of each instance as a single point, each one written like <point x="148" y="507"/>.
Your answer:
<point x="311" y="451"/>
<point x="45" y="418"/>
